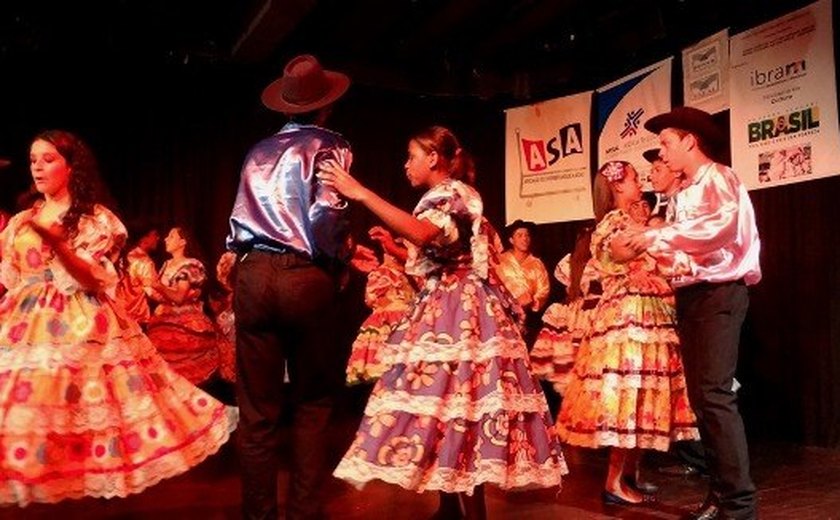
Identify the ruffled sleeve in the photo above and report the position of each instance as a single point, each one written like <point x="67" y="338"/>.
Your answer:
<point x="562" y="272"/>
<point x="192" y="271"/>
<point x="438" y="207"/>
<point x="143" y="271"/>
<point x="9" y="270"/>
<point x="456" y="209"/>
<point x="98" y="242"/>
<point x="611" y="225"/>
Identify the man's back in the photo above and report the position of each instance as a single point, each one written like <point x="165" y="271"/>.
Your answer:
<point x="280" y="206"/>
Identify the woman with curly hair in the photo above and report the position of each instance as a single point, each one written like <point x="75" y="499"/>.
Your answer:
<point x="87" y="406"/>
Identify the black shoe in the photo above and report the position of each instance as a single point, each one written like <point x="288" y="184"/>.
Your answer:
<point x="611" y="499"/>
<point x="681" y="470"/>
<point x="645" y="488"/>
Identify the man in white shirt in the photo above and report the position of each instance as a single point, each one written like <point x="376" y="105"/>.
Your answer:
<point x="713" y="247"/>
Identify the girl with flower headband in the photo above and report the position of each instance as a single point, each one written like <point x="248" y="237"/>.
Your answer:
<point x="627" y="388"/>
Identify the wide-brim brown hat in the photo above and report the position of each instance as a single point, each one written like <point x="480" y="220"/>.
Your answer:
<point x="305" y="86"/>
<point x="690" y="119"/>
<point x="651" y="155"/>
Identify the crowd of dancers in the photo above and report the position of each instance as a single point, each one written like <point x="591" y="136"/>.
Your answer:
<point x="108" y="361"/>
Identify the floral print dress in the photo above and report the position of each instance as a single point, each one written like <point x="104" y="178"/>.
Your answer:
<point x="183" y="334"/>
<point x="627" y="387"/>
<point x="87" y="406"/>
<point x="564" y="327"/>
<point x="458" y="406"/>
<point x="389" y="293"/>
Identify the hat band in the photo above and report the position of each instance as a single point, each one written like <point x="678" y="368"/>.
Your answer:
<point x="303" y="90"/>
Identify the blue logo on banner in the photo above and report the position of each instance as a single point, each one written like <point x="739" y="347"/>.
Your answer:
<point x="631" y="123"/>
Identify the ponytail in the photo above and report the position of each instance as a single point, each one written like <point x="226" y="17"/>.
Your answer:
<point x="458" y="162"/>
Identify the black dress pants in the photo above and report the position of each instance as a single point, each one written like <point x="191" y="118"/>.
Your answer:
<point x="284" y="307"/>
<point x="709" y="317"/>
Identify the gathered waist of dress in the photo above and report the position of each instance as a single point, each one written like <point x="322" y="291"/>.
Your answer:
<point x="459" y="272"/>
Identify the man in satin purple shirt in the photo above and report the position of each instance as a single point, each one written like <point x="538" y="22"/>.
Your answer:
<point x="289" y="232"/>
<point x="713" y="245"/>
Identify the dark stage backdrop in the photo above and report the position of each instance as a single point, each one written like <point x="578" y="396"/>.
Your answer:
<point x="171" y="141"/>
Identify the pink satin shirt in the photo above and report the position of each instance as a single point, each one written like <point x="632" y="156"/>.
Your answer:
<point x="713" y="237"/>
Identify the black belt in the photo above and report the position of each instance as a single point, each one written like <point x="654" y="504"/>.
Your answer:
<point x="710" y="285"/>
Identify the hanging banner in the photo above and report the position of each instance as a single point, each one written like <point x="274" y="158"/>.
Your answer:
<point x="706" y="73"/>
<point x="547" y="171"/>
<point x="783" y="121"/>
<point x="623" y="107"/>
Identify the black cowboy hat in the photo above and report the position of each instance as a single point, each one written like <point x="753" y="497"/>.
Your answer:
<point x="519" y="223"/>
<point x="651" y="155"/>
<point x="689" y="119"/>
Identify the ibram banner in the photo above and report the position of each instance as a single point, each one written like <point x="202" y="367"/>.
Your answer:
<point x="783" y="119"/>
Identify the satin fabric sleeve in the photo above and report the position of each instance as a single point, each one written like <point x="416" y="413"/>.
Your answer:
<point x="714" y="237"/>
<point x="703" y="233"/>
<point x="98" y="242"/>
<point x="327" y="214"/>
<point x="543" y="285"/>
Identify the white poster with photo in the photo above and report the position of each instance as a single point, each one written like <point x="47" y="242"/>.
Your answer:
<point x="547" y="170"/>
<point x="706" y="73"/>
<point x="623" y="107"/>
<point x="783" y="121"/>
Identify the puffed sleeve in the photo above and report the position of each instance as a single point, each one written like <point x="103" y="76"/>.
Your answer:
<point x="144" y="271"/>
<point x="611" y="225"/>
<point x="380" y="282"/>
<point x="441" y="206"/>
<point x="562" y="272"/>
<point x="98" y="242"/>
<point x="191" y="271"/>
<point x="9" y="270"/>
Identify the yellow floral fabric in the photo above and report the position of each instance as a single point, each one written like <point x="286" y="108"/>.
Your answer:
<point x="627" y="387"/>
<point x="87" y="407"/>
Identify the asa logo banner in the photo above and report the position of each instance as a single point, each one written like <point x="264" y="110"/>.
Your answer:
<point x="547" y="171"/>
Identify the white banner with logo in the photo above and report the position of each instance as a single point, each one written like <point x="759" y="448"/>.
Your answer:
<point x="547" y="171"/>
<point x="783" y="121"/>
<point x="624" y="106"/>
<point x="706" y="73"/>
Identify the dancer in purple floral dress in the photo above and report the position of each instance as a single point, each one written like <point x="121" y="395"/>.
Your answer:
<point x="458" y="406"/>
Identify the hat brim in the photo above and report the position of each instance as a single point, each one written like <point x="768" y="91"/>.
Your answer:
<point x="518" y="224"/>
<point x="703" y="127"/>
<point x="651" y="155"/>
<point x="272" y="96"/>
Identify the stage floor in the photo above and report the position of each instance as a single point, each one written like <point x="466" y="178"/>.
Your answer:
<point x="794" y="483"/>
